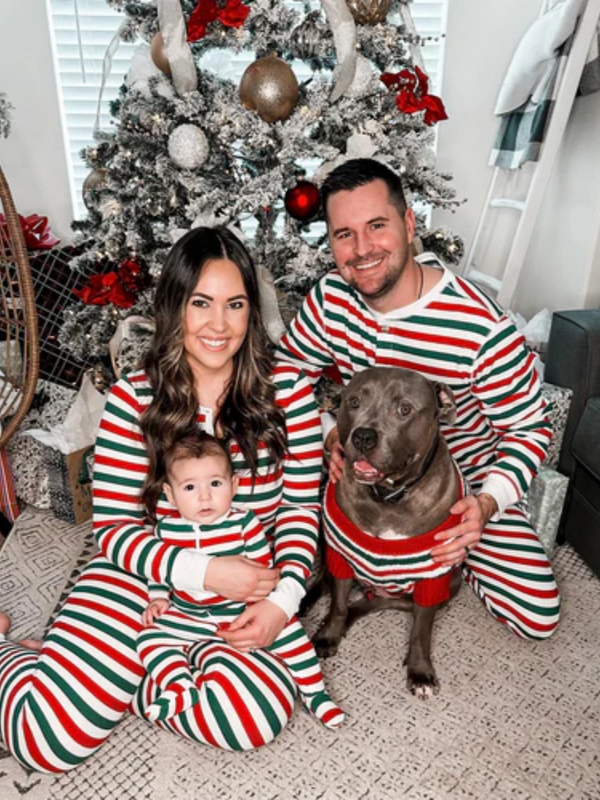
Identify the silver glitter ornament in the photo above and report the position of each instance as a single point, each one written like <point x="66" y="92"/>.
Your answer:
<point x="188" y="147"/>
<point x="269" y="87"/>
<point x="369" y="12"/>
<point x="307" y="37"/>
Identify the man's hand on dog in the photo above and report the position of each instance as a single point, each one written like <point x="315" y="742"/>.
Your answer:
<point x="476" y="512"/>
<point x="336" y="455"/>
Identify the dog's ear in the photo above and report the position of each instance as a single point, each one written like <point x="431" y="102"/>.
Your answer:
<point x="445" y="402"/>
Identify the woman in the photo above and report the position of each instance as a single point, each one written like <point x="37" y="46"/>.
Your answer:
<point x="208" y="364"/>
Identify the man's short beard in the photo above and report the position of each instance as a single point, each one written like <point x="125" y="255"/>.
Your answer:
<point x="389" y="283"/>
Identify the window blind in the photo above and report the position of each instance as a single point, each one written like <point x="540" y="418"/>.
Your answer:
<point x="83" y="29"/>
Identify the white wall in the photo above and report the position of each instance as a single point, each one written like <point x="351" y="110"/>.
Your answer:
<point x="33" y="157"/>
<point x="562" y="268"/>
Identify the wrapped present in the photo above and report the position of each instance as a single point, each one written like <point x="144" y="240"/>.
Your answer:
<point x="559" y="403"/>
<point x="544" y="504"/>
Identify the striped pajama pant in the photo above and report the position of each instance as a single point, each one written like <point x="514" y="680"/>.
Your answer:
<point x="59" y="705"/>
<point x="510" y="573"/>
<point x="164" y="647"/>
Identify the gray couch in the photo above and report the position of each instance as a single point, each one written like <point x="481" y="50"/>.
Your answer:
<point x="573" y="361"/>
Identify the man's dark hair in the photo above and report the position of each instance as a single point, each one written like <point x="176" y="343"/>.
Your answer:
<point x="358" y="172"/>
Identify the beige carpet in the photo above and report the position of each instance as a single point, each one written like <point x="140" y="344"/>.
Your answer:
<point x="513" y="719"/>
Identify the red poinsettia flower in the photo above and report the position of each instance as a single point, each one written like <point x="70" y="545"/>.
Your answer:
<point x="231" y="13"/>
<point x="409" y="103"/>
<point x="104" y="289"/>
<point x="434" y="110"/>
<point x="413" y="94"/>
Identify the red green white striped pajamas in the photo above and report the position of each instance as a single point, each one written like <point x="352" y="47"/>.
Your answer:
<point x="196" y="617"/>
<point x="457" y="335"/>
<point x="58" y="707"/>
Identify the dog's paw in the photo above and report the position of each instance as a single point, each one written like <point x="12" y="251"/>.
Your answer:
<point x="326" y="647"/>
<point x="422" y="685"/>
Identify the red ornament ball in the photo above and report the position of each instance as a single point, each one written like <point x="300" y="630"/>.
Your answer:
<point x="303" y="200"/>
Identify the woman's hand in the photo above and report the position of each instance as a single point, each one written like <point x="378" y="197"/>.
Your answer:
<point x="258" y="626"/>
<point x="335" y="455"/>
<point x="154" y="610"/>
<point x="237" y="578"/>
<point x="476" y="513"/>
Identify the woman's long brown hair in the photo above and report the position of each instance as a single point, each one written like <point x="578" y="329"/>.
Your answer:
<point x="248" y="413"/>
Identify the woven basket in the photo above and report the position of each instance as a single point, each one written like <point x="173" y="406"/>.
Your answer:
<point x="19" y="344"/>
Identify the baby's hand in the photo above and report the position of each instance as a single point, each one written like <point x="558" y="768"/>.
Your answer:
<point x="155" y="610"/>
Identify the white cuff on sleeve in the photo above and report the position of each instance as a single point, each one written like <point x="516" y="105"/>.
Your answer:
<point x="503" y="492"/>
<point x="189" y="571"/>
<point x="287" y="596"/>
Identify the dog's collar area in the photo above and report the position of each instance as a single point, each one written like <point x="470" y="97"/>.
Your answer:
<point x="392" y="492"/>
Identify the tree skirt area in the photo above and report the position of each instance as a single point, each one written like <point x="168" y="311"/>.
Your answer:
<point x="513" y="719"/>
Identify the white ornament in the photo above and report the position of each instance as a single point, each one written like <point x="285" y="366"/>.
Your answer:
<point x="188" y="147"/>
<point x="358" y="145"/>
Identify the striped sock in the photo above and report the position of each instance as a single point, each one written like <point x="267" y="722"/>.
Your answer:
<point x="322" y="707"/>
<point x="177" y="697"/>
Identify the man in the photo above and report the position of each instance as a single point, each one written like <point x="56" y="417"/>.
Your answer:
<point x="383" y="307"/>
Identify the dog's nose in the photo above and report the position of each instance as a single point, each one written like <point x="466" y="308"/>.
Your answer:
<point x="364" y="439"/>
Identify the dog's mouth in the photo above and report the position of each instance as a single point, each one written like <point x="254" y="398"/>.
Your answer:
<point x="364" y="472"/>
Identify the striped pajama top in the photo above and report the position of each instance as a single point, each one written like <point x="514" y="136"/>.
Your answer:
<point x="454" y="334"/>
<point x="235" y="533"/>
<point x="286" y="501"/>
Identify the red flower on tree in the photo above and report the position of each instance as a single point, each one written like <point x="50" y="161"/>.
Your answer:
<point x="413" y="94"/>
<point x="118" y="288"/>
<point x="231" y="13"/>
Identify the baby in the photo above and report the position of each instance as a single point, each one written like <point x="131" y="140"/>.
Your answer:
<point x="200" y="483"/>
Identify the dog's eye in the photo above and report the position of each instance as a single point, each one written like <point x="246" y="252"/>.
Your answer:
<point x="354" y="402"/>
<point x="404" y="409"/>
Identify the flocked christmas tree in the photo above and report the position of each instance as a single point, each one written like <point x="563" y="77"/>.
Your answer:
<point x="193" y="147"/>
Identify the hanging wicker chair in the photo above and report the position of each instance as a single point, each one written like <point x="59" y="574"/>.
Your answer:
<point x="19" y="345"/>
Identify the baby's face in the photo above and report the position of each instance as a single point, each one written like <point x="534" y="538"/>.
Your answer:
<point x="201" y="488"/>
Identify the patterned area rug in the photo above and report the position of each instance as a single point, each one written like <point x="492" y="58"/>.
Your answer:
<point x="513" y="719"/>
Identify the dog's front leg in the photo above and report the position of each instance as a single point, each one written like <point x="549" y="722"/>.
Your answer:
<point x="421" y="679"/>
<point x="327" y="639"/>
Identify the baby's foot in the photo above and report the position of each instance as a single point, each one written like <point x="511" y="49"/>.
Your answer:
<point x="321" y="706"/>
<point x="177" y="698"/>
<point x="4" y="624"/>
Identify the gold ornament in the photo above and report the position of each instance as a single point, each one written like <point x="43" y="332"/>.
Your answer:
<point x="269" y="87"/>
<point x="369" y="12"/>
<point x="95" y="180"/>
<point x="158" y="54"/>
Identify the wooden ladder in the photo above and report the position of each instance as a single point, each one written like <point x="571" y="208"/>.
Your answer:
<point x="529" y="208"/>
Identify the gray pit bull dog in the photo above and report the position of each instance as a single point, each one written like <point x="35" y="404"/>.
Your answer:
<point x="399" y="483"/>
